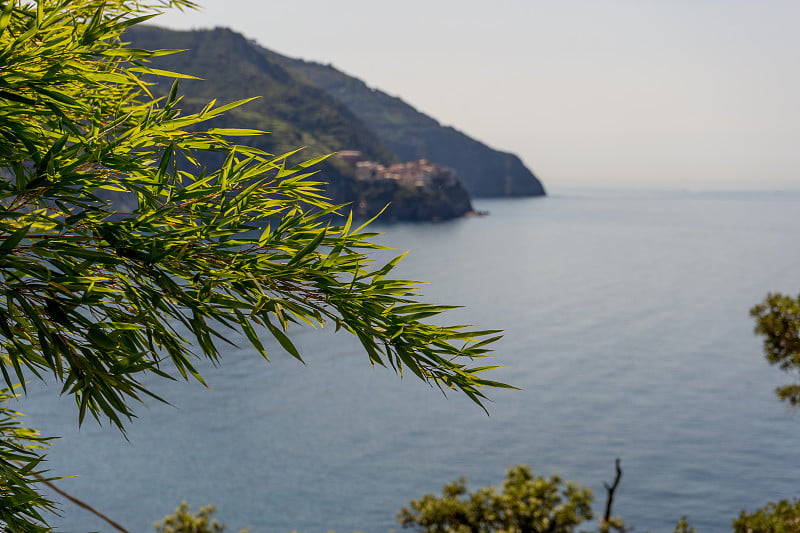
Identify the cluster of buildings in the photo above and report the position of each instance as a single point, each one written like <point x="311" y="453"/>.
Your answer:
<point x="413" y="174"/>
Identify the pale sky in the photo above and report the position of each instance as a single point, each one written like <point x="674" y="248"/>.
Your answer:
<point x="683" y="92"/>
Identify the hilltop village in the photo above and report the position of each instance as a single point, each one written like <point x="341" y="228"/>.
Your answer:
<point x="416" y="190"/>
<point x="419" y="174"/>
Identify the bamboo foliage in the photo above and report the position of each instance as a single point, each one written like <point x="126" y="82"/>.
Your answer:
<point x="96" y="295"/>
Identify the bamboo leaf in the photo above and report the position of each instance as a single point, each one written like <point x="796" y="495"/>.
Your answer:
<point x="235" y="132"/>
<point x="308" y="248"/>
<point x="165" y="73"/>
<point x="10" y="242"/>
<point x="284" y="341"/>
<point x="5" y="16"/>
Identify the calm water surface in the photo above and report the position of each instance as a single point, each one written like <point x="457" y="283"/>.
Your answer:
<point x="627" y="329"/>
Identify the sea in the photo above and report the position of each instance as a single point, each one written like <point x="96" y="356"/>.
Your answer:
<point x="627" y="333"/>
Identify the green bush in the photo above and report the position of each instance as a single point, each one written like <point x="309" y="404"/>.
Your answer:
<point x="183" y="520"/>
<point x="526" y="503"/>
<point x="781" y="517"/>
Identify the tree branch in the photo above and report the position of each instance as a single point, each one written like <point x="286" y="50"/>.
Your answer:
<point x="79" y="503"/>
<point x="611" y="489"/>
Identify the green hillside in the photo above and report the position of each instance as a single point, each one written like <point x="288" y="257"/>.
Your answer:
<point x="410" y="134"/>
<point x="297" y="113"/>
<point x="293" y="111"/>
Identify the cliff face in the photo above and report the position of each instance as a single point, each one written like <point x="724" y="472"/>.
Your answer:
<point x="316" y="106"/>
<point x="417" y="190"/>
<point x="231" y="67"/>
<point x="412" y="135"/>
<point x="296" y="113"/>
<point x="441" y="203"/>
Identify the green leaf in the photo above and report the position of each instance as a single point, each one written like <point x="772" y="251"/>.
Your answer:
<point x="5" y="16"/>
<point x="10" y="242"/>
<point x="308" y="248"/>
<point x="165" y="73"/>
<point x="165" y="159"/>
<point x="235" y="132"/>
<point x="284" y="341"/>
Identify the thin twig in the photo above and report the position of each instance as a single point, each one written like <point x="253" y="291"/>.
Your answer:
<point x="79" y="503"/>
<point x="611" y="489"/>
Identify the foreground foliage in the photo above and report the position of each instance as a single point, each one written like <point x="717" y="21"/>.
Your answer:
<point x="122" y="256"/>
<point x="183" y="520"/>
<point x="778" y="320"/>
<point x="21" y="505"/>
<point x="781" y="517"/>
<point x="527" y="503"/>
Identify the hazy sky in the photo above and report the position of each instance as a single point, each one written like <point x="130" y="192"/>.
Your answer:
<point x="682" y="91"/>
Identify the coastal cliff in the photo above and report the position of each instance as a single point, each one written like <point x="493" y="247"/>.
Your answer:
<point x="412" y="135"/>
<point x="298" y="112"/>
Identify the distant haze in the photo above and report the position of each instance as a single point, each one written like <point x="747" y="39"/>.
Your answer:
<point x="684" y="93"/>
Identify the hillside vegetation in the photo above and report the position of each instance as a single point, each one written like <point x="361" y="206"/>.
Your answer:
<point x="410" y="134"/>
<point x="299" y="110"/>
